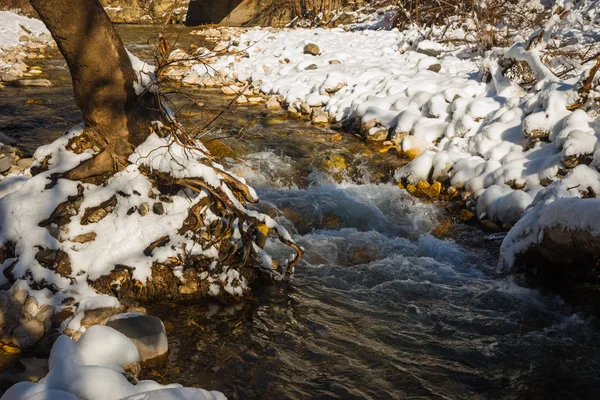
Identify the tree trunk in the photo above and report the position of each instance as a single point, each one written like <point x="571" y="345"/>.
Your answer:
<point x="116" y="119"/>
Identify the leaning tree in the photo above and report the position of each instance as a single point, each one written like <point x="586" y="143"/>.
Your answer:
<point x="127" y="203"/>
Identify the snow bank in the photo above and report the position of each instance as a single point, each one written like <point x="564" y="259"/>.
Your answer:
<point x="11" y="28"/>
<point x="93" y="368"/>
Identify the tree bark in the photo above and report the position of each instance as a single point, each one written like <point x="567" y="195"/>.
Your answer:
<point x="116" y="119"/>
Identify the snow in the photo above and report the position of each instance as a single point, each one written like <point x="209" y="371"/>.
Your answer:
<point x="11" y="28"/>
<point x="92" y="368"/>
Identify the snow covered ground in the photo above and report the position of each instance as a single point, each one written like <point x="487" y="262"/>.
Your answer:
<point x="449" y="109"/>
<point x="11" y="28"/>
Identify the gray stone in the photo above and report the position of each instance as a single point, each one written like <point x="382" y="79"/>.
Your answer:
<point x="147" y="333"/>
<point x="28" y="334"/>
<point x="312" y="49"/>
<point x="158" y="208"/>
<point x="11" y="312"/>
<point x="19" y="295"/>
<point x="5" y="163"/>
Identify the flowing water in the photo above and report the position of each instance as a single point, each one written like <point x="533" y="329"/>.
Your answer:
<point x="380" y="306"/>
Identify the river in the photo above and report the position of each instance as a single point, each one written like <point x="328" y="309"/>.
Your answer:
<point x="385" y="303"/>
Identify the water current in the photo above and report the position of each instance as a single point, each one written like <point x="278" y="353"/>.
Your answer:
<point x="380" y="307"/>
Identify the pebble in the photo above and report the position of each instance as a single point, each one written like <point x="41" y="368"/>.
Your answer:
<point x="312" y="49"/>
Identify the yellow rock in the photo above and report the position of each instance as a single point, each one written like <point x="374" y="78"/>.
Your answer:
<point x="385" y="149"/>
<point x="336" y="162"/>
<point x="411" y="188"/>
<point x="34" y="101"/>
<point x="413" y="153"/>
<point x="263" y="228"/>
<point x="423" y="185"/>
<point x="11" y="349"/>
<point x="36" y="67"/>
<point x="466" y="215"/>
<point x="442" y="229"/>
<point x="452" y="192"/>
<point x="400" y="185"/>
<point x="336" y="137"/>
<point x="217" y="148"/>
<point x="434" y="190"/>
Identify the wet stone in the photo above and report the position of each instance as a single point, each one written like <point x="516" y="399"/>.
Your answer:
<point x="147" y="333"/>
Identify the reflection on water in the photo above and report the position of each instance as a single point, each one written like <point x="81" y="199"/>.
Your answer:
<point x="379" y="307"/>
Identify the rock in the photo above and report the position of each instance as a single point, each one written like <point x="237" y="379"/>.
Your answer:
<point x="158" y="208"/>
<point x="241" y="100"/>
<point x="435" y="67"/>
<point x="221" y="47"/>
<point x="16" y="170"/>
<point x="429" y="48"/>
<point x="32" y="83"/>
<point x="305" y="108"/>
<point x="97" y="316"/>
<point x="332" y="62"/>
<point x="466" y="215"/>
<point x="147" y="333"/>
<point x="31" y="307"/>
<point x="377" y="135"/>
<point x="84" y="238"/>
<point x="434" y="190"/>
<point x="23" y="38"/>
<point x="319" y="117"/>
<point x="9" y="77"/>
<point x="490" y="226"/>
<point x="312" y="49"/>
<point x="11" y="313"/>
<point x="11" y="349"/>
<point x="231" y="90"/>
<point x="19" y="295"/>
<point x="217" y="148"/>
<point x="272" y="104"/>
<point x="28" y="334"/>
<point x="144" y="209"/>
<point x="255" y="100"/>
<point x="61" y="316"/>
<point x="311" y="67"/>
<point x="5" y="163"/>
<point x="45" y="315"/>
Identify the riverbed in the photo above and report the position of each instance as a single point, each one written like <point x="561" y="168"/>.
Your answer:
<point x="383" y="305"/>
